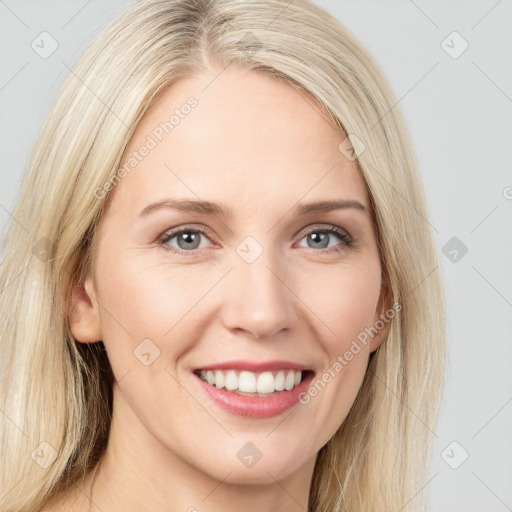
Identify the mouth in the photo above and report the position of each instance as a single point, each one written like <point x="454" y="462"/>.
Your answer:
<point x="254" y="390"/>
<point x="254" y="384"/>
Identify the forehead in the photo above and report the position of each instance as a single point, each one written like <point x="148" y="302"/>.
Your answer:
<point x="240" y="137"/>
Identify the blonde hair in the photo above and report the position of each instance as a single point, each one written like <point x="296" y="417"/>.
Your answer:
<point x="56" y="394"/>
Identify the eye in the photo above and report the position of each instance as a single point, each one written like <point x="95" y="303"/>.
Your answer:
<point x="320" y="239"/>
<point x="187" y="239"/>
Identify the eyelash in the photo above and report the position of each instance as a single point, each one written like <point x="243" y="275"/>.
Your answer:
<point x="343" y="235"/>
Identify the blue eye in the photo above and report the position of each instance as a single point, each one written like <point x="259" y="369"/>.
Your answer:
<point x="188" y="240"/>
<point x="322" y="242"/>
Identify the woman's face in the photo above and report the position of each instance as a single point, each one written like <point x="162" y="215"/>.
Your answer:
<point x="259" y="284"/>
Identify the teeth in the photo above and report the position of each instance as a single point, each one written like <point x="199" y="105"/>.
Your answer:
<point x="219" y="379"/>
<point x="279" y="381"/>
<point x="231" y="380"/>
<point x="266" y="383"/>
<point x="289" y="381"/>
<point x="250" y="382"/>
<point x="247" y="382"/>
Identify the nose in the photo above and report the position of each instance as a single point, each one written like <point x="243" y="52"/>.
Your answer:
<point x="259" y="299"/>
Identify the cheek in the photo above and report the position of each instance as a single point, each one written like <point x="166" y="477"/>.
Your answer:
<point x="149" y="318"/>
<point x="141" y="301"/>
<point x="346" y="302"/>
<point x="344" y="299"/>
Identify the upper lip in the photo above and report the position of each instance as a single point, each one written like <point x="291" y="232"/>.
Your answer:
<point x="255" y="366"/>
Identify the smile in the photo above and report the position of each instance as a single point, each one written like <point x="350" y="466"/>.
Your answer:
<point x="251" y="383"/>
<point x="254" y="390"/>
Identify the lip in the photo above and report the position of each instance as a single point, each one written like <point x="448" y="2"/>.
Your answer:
<point x="253" y="406"/>
<point x="254" y="366"/>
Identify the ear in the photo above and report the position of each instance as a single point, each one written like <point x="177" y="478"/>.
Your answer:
<point x="83" y="312"/>
<point x="382" y="322"/>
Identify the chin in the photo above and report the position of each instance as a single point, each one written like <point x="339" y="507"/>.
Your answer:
<point x="266" y="470"/>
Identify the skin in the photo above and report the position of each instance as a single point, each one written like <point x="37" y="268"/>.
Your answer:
<point x="259" y="147"/>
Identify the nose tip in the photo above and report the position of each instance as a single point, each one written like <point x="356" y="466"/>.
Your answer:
<point x="258" y="301"/>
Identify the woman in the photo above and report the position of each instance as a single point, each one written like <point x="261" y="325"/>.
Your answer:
<point x="221" y="289"/>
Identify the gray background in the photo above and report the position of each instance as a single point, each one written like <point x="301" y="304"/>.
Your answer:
<point x="459" y="112"/>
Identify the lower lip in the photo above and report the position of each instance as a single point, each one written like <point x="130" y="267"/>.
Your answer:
<point x="253" y="406"/>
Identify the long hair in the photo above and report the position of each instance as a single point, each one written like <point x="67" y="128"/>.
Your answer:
<point x="56" y="393"/>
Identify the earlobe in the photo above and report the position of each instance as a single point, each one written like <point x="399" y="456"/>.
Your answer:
<point x="83" y="313"/>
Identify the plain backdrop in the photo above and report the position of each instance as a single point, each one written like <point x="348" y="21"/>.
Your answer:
<point x="450" y="65"/>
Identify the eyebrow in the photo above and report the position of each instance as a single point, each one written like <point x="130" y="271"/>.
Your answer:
<point x="209" y="208"/>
